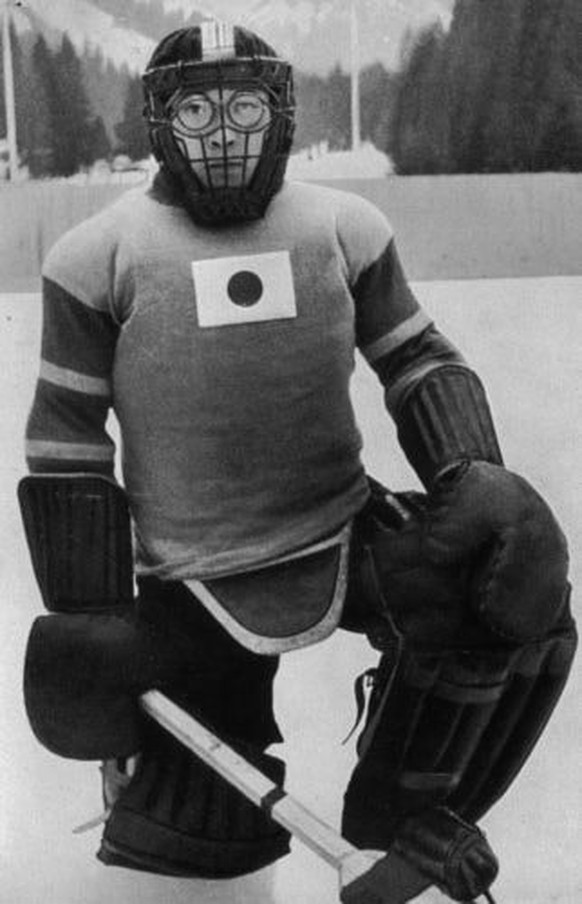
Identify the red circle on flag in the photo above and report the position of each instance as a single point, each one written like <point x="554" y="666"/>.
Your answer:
<point x="245" y="288"/>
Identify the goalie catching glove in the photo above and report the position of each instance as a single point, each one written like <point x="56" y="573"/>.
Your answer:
<point x="478" y="514"/>
<point x="490" y="525"/>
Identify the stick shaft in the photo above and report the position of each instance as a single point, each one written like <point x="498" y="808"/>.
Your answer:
<point x="288" y="812"/>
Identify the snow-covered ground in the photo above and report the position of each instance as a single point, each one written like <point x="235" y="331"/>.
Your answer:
<point x="319" y="162"/>
<point x="523" y="337"/>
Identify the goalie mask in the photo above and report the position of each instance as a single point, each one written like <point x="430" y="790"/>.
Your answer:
<point x="220" y="114"/>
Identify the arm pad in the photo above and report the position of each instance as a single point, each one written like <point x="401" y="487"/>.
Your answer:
<point x="445" y="419"/>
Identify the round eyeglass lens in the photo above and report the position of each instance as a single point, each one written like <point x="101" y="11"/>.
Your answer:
<point x="247" y="111"/>
<point x="195" y="113"/>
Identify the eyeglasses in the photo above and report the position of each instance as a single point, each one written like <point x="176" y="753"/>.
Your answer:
<point x="197" y="115"/>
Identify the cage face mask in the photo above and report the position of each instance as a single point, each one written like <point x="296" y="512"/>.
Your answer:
<point x="220" y="113"/>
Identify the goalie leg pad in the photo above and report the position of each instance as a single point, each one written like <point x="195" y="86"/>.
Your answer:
<point x="453" y="728"/>
<point x="176" y="816"/>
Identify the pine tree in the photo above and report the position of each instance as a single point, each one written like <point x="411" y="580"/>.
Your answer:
<point x="323" y="110"/>
<point x="105" y="87"/>
<point x="23" y="120"/>
<point x="501" y="152"/>
<point x="98" y="140"/>
<point x="509" y="98"/>
<point x="131" y="132"/>
<point x="72" y="126"/>
<point x="418" y="108"/>
<point x="470" y="65"/>
<point x="336" y="109"/>
<point x="377" y="98"/>
<point x="535" y="62"/>
<point x="41" y="97"/>
<point x="31" y="109"/>
<point x="310" y="128"/>
<point x="559" y="133"/>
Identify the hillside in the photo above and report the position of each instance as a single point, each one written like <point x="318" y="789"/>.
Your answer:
<point x="315" y="34"/>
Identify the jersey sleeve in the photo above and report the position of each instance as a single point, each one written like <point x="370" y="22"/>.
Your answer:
<point x="387" y="312"/>
<point x="66" y="428"/>
<point x="393" y="332"/>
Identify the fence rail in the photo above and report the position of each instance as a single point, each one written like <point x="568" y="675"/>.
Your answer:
<point x="447" y="227"/>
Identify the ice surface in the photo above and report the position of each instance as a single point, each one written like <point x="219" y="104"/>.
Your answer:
<point x="523" y="338"/>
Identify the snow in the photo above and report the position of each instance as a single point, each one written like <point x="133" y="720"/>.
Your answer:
<point x="319" y="162"/>
<point x="523" y="337"/>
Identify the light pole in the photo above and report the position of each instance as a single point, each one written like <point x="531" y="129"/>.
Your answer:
<point x="355" y="75"/>
<point x="9" y="105"/>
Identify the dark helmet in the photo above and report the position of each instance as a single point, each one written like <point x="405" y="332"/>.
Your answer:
<point x="215" y="56"/>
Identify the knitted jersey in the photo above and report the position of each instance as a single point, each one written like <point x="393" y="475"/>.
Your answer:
<point x="226" y="355"/>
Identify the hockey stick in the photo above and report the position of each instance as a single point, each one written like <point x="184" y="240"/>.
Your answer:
<point x="365" y="877"/>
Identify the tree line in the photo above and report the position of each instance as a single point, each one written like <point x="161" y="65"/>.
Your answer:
<point x="74" y="109"/>
<point x="500" y="90"/>
<point x="68" y="107"/>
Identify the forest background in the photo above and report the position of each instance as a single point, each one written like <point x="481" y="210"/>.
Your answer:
<point x="498" y="90"/>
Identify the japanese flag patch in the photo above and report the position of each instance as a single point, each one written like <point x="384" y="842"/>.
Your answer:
<point x="245" y="289"/>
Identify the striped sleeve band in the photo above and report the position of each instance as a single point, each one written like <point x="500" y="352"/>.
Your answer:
<point x="62" y="451"/>
<point x="392" y="340"/>
<point x="75" y="381"/>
